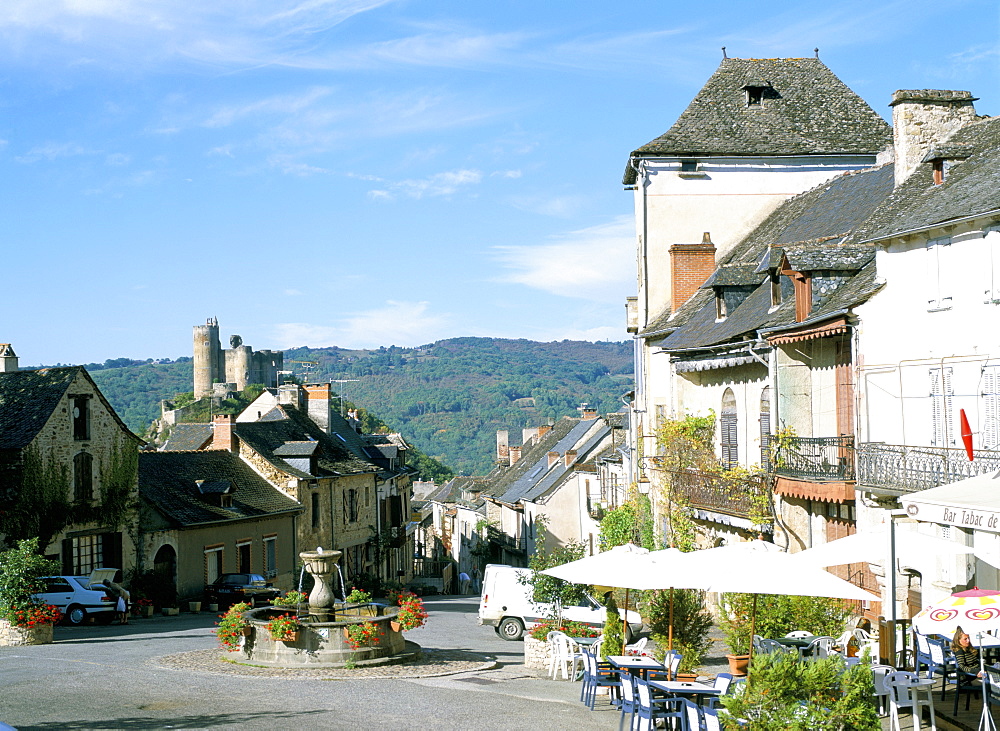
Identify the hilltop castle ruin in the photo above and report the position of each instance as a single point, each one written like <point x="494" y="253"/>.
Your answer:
<point x="238" y="365"/>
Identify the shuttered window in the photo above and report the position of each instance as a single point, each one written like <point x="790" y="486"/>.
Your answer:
<point x="991" y="407"/>
<point x="942" y="434"/>
<point x="728" y="433"/>
<point x="765" y="425"/>
<point x="939" y="293"/>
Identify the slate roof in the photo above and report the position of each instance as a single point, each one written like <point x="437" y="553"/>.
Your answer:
<point x="806" y="110"/>
<point x="167" y="481"/>
<point x="970" y="188"/>
<point x="188" y="437"/>
<point x="28" y="398"/>
<point x="333" y="457"/>
<point x="540" y="477"/>
<point x="809" y="228"/>
<point x="500" y="480"/>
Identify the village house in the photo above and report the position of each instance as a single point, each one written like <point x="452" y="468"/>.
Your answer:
<point x="68" y="473"/>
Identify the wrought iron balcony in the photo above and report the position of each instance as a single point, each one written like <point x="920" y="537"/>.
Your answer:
<point x="511" y="543"/>
<point x="744" y="498"/>
<point x="903" y="468"/>
<point x="815" y="458"/>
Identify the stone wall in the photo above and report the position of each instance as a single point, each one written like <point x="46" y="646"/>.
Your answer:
<point x="11" y="636"/>
<point x="536" y="653"/>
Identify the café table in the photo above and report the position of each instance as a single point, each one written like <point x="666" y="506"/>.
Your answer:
<point x="676" y="687"/>
<point x="799" y="643"/>
<point x="635" y="664"/>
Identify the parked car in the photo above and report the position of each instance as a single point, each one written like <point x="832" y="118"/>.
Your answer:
<point x="507" y="605"/>
<point x="229" y="589"/>
<point x="79" y="597"/>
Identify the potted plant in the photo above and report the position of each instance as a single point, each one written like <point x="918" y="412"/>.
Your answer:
<point x="21" y="569"/>
<point x="614" y="637"/>
<point x="290" y="599"/>
<point x="692" y="624"/>
<point x="411" y="612"/>
<point x="735" y="622"/>
<point x="233" y="627"/>
<point x="284" y="628"/>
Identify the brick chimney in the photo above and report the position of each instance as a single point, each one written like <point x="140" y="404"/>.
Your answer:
<point x="503" y="447"/>
<point x="222" y="433"/>
<point x="690" y="267"/>
<point x="570" y="457"/>
<point x="318" y="404"/>
<point x="922" y="118"/>
<point x="515" y="454"/>
<point x="8" y="359"/>
<point x="553" y="458"/>
<point x="588" y="413"/>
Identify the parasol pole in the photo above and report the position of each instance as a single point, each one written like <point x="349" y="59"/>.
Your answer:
<point x="753" y="631"/>
<point x="985" y="720"/>
<point x="670" y="630"/>
<point x="625" y="623"/>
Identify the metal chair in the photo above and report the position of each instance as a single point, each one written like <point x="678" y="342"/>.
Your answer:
<point x="671" y="661"/>
<point x="723" y="682"/>
<point x="651" y="709"/>
<point x="628" y="701"/>
<point x="601" y="675"/>
<point x="992" y="681"/>
<point x="903" y="694"/>
<point x="693" y="714"/>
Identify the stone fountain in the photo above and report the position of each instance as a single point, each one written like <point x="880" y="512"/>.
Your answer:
<point x="322" y="641"/>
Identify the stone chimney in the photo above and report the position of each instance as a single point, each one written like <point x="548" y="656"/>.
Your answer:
<point x="690" y="267"/>
<point x="588" y="413"/>
<point x="318" y="404"/>
<point x="922" y="118"/>
<point x="222" y="433"/>
<point x="553" y="458"/>
<point x="570" y="457"/>
<point x="8" y="359"/>
<point x="503" y="447"/>
<point x="529" y="435"/>
<point x="289" y="395"/>
<point x="515" y="454"/>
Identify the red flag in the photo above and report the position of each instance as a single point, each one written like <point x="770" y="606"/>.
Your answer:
<point x="966" y="433"/>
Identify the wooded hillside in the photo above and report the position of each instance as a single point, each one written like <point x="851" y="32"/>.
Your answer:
<point x="448" y="398"/>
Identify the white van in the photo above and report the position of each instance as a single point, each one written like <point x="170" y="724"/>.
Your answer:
<point x="506" y="605"/>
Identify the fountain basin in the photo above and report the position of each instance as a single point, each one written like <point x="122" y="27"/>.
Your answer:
<point x="322" y="644"/>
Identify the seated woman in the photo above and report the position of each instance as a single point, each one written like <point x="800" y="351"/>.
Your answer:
<point x="966" y="656"/>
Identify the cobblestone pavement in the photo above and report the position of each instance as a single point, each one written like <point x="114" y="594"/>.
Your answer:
<point x="431" y="663"/>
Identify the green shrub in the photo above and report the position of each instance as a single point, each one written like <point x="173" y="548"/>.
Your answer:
<point x="785" y="693"/>
<point x="20" y="569"/>
<point x="692" y="624"/>
<point x="614" y="633"/>
<point x="778" y="615"/>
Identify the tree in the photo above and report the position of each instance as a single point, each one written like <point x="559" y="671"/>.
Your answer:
<point x="549" y="589"/>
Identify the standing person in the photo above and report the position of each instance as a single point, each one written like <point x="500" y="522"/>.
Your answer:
<point x="121" y="603"/>
<point x="476" y="586"/>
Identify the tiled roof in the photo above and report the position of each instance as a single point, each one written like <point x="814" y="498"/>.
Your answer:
<point x="167" y="481"/>
<point x="823" y="216"/>
<point x="806" y="110"/>
<point x="28" y="398"/>
<point x="188" y="437"/>
<point x="970" y="187"/>
<point x="333" y="455"/>
<point x="539" y="471"/>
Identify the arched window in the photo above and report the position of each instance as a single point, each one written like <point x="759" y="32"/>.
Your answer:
<point x="83" y="477"/>
<point x="765" y="426"/>
<point x="730" y="455"/>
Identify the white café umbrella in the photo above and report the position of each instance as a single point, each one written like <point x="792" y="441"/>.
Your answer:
<point x="873" y="547"/>
<point x="618" y="567"/>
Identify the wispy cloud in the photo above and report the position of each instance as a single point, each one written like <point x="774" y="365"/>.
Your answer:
<point x="397" y="323"/>
<point x="54" y="151"/>
<point x="595" y="263"/>
<point x="281" y="105"/>
<point x="441" y="184"/>
<point x="563" y="206"/>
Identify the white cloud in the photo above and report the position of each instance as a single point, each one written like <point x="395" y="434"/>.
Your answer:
<point x="54" y="151"/>
<point x="564" y="206"/>
<point x="282" y="105"/>
<point x="440" y="184"/>
<point x="397" y="323"/>
<point x="595" y="263"/>
<point x="117" y="159"/>
<point x="508" y="174"/>
<point x="292" y="293"/>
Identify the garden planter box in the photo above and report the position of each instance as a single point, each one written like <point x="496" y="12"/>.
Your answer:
<point x="170" y="611"/>
<point x="11" y="636"/>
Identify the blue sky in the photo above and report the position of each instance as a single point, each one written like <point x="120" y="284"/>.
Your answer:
<point x="365" y="173"/>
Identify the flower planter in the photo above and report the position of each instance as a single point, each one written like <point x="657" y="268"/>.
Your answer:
<point x="12" y="636"/>
<point x="396" y="626"/>
<point x="194" y="607"/>
<point x="246" y="631"/>
<point x="170" y="611"/>
<point x="144" y="611"/>
<point x="685" y="677"/>
<point x="738" y="664"/>
<point x="213" y="607"/>
<point x="290" y="637"/>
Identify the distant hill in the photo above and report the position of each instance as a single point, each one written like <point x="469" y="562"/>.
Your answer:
<point x="448" y="398"/>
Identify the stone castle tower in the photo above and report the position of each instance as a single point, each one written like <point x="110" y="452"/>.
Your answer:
<point x="239" y="365"/>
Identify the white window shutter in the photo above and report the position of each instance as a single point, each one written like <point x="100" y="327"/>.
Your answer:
<point x="991" y="407"/>
<point x="931" y="280"/>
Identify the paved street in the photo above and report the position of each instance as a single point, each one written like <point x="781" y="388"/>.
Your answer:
<point x="106" y="677"/>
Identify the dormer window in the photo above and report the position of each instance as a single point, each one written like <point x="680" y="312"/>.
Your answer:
<point x="940" y="171"/>
<point x="755" y="96"/>
<point x="775" y="289"/>
<point x="720" y="305"/>
<point x="689" y="166"/>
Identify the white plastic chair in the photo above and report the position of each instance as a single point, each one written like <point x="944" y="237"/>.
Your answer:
<point x="879" y="673"/>
<point x="799" y="634"/>
<point x="552" y="638"/>
<point x="818" y="649"/>
<point x="569" y="657"/>
<point x="902" y="694"/>
<point x="636" y="647"/>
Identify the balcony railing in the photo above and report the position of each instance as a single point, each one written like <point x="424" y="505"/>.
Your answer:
<point x="904" y="468"/>
<point x="743" y="498"/>
<point x="815" y="458"/>
<point x="508" y="542"/>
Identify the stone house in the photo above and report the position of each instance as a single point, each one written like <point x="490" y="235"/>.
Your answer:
<point x="207" y="513"/>
<point x="68" y="468"/>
